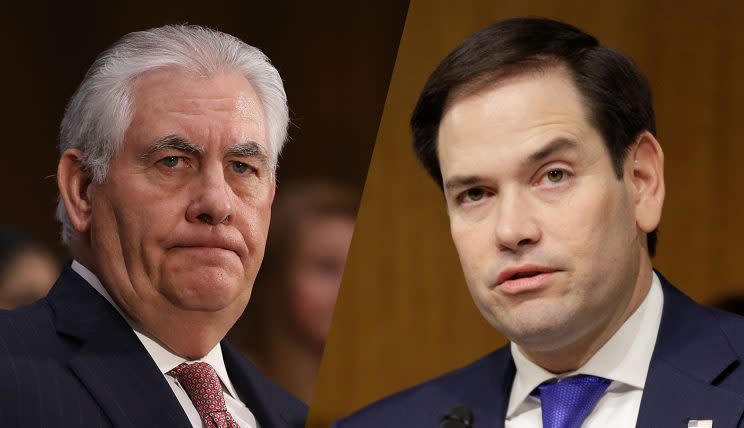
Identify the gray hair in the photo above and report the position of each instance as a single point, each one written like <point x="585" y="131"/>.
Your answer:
<point x="100" y="111"/>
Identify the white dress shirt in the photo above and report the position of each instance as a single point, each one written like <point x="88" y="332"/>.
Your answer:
<point x="166" y="361"/>
<point x="624" y="360"/>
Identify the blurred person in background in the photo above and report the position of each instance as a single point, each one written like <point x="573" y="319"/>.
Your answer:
<point x="284" y="328"/>
<point x="27" y="269"/>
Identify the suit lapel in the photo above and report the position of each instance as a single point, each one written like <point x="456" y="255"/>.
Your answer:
<point x="265" y="400"/>
<point x="672" y="398"/>
<point x="487" y="389"/>
<point x="690" y="357"/>
<point x="111" y="361"/>
<point x="503" y="369"/>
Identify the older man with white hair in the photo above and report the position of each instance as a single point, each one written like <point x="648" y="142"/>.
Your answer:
<point x="166" y="179"/>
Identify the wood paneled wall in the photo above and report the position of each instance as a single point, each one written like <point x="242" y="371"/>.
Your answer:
<point x="404" y="314"/>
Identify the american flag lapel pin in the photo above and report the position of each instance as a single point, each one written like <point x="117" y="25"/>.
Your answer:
<point x="700" y="423"/>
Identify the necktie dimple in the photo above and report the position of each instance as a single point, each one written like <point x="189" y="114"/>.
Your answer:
<point x="566" y="403"/>
<point x="202" y="384"/>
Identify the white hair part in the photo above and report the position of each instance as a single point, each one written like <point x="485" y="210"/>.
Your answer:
<point x="100" y="111"/>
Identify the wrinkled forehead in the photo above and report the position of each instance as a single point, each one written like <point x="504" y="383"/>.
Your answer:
<point x="191" y="91"/>
<point x="173" y="97"/>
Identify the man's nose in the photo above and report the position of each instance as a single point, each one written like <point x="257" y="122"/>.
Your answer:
<point x="212" y="202"/>
<point x="516" y="228"/>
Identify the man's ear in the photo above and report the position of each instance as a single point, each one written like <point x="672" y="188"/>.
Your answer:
<point x="73" y="181"/>
<point x="645" y="169"/>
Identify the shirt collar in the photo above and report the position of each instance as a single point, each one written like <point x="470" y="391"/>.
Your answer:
<point x="624" y="358"/>
<point x="163" y="357"/>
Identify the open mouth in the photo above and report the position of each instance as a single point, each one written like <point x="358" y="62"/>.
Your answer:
<point x="524" y="275"/>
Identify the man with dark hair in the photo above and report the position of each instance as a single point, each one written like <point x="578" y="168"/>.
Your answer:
<point x="543" y="144"/>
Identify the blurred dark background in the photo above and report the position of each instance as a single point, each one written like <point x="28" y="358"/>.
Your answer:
<point x="335" y="57"/>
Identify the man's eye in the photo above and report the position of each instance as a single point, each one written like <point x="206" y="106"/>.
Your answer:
<point x="474" y="195"/>
<point x="170" y="161"/>
<point x="556" y="175"/>
<point x="240" y="167"/>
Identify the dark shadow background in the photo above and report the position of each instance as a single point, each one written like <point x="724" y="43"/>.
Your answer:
<point x="335" y="58"/>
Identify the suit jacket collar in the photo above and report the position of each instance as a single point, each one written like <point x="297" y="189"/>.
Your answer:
<point x="121" y="376"/>
<point x="486" y="389"/>
<point x="109" y="360"/>
<point x="272" y="406"/>
<point x="691" y="356"/>
<point x="508" y="370"/>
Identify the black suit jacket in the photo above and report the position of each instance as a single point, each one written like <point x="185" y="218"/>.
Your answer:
<point x="70" y="360"/>
<point x="695" y="373"/>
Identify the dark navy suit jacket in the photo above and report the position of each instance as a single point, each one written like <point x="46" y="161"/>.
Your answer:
<point x="696" y="372"/>
<point x="70" y="360"/>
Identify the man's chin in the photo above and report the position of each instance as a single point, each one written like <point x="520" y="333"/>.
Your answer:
<point x="535" y="325"/>
<point x="208" y="290"/>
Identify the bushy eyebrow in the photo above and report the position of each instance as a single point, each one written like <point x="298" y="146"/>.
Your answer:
<point x="175" y="142"/>
<point x="251" y="149"/>
<point x="181" y="144"/>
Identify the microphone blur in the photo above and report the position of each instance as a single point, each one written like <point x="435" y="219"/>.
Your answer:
<point x="457" y="417"/>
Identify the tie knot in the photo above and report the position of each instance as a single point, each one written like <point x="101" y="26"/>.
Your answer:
<point x="201" y="383"/>
<point x="567" y="402"/>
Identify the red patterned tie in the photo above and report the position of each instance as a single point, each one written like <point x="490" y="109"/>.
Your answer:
<point x="203" y="386"/>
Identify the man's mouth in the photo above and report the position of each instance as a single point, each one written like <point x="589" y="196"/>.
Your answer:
<point x="525" y="274"/>
<point x="520" y="272"/>
<point x="209" y="244"/>
<point x="518" y="279"/>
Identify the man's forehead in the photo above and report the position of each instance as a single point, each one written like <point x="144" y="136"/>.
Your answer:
<point x="487" y="81"/>
<point x="177" y="86"/>
<point x="539" y="90"/>
<point x="175" y="101"/>
<point x="514" y="120"/>
<point x="517" y="104"/>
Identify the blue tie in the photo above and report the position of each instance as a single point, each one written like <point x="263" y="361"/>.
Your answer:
<point x="566" y="403"/>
